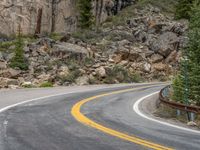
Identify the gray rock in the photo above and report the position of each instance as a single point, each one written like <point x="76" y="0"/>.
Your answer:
<point x="101" y="72"/>
<point x="45" y="41"/>
<point x="63" y="71"/>
<point x="192" y="124"/>
<point x="69" y="48"/>
<point x="1" y="56"/>
<point x="140" y="36"/>
<point x="83" y="80"/>
<point x="165" y="44"/>
<point x="5" y="82"/>
<point x="10" y="73"/>
<point x="155" y="58"/>
<point x="3" y="64"/>
<point x="147" y="67"/>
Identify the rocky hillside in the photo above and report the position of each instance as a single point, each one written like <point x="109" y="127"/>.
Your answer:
<point x="143" y="47"/>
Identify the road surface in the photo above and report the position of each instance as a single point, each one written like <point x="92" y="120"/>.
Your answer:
<point x="85" y="118"/>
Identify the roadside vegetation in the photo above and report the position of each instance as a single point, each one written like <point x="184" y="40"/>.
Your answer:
<point x="46" y="84"/>
<point x="186" y="85"/>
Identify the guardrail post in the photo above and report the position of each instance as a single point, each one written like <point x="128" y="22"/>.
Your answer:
<point x="192" y="116"/>
<point x="178" y="112"/>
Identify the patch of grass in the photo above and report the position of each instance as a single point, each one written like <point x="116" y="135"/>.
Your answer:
<point x="55" y="36"/>
<point x="4" y="46"/>
<point x="166" y="6"/>
<point x="88" y="61"/>
<point x="46" y="84"/>
<point x="89" y="36"/>
<point x="28" y="86"/>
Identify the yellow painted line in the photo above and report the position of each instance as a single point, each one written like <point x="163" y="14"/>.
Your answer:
<point x="83" y="119"/>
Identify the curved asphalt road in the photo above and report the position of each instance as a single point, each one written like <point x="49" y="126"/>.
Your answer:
<point x="48" y="124"/>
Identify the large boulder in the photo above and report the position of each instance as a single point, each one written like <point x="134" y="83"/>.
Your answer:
<point x="6" y="82"/>
<point x="83" y="80"/>
<point x="68" y="48"/>
<point x="155" y="58"/>
<point x="10" y="73"/>
<point x="165" y="44"/>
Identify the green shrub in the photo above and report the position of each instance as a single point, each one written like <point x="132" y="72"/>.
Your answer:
<point x="55" y="36"/>
<point x="136" y="77"/>
<point x="71" y="77"/>
<point x="88" y="61"/>
<point x="46" y="84"/>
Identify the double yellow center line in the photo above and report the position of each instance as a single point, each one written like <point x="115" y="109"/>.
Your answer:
<point x="85" y="120"/>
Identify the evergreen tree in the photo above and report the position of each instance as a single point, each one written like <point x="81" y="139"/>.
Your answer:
<point x="183" y="9"/>
<point x="19" y="61"/>
<point x="85" y="13"/>
<point x="192" y="53"/>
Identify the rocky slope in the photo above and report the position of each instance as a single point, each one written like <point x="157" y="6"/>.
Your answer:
<point x="145" y="47"/>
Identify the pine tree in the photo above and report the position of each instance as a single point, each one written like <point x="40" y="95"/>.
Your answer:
<point x="19" y="61"/>
<point x="183" y="9"/>
<point x="192" y="53"/>
<point x="85" y="14"/>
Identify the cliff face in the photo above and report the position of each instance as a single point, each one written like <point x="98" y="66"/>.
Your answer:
<point x="56" y="15"/>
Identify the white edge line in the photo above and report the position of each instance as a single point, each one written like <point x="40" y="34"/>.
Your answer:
<point x="73" y="92"/>
<point x="32" y="100"/>
<point x="137" y="110"/>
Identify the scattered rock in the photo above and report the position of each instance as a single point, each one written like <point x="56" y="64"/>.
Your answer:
<point x="3" y="64"/>
<point x="192" y="124"/>
<point x="155" y="58"/>
<point x="13" y="86"/>
<point x="83" y="80"/>
<point x="5" y="82"/>
<point x="159" y="66"/>
<point x="101" y="72"/>
<point x="147" y="67"/>
<point x="27" y="84"/>
<point x="63" y="71"/>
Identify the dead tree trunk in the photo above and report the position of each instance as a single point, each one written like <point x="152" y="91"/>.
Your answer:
<point x="39" y="22"/>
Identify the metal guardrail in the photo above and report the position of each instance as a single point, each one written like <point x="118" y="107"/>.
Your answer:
<point x="166" y="100"/>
